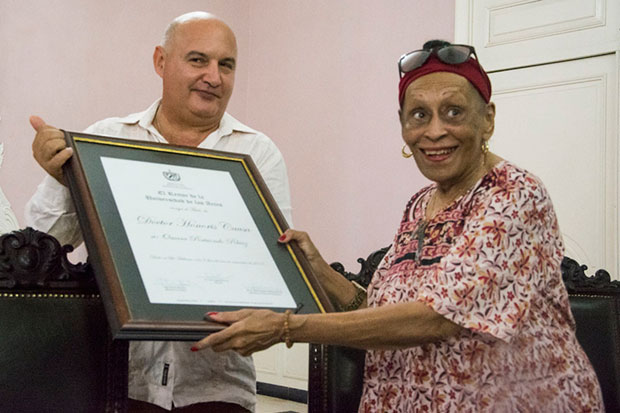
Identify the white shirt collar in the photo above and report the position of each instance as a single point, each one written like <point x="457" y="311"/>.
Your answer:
<point x="228" y="124"/>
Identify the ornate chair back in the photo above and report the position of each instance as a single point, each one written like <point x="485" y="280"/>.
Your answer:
<point x="595" y="303"/>
<point x="56" y="351"/>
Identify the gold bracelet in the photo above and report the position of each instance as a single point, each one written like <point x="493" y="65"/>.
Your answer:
<point x="287" y="331"/>
<point x="357" y="300"/>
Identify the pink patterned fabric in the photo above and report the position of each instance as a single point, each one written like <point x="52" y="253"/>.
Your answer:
<point x="490" y="262"/>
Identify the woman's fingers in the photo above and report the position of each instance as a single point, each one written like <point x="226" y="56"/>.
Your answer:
<point x="228" y="317"/>
<point x="306" y="245"/>
<point x="249" y="331"/>
<point x="214" y="340"/>
<point x="292" y="234"/>
<point x="303" y="241"/>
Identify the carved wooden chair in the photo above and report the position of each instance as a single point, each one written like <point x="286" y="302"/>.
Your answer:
<point x="56" y="352"/>
<point x="336" y="373"/>
<point x="595" y="303"/>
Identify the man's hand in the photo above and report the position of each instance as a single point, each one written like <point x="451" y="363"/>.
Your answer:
<point x="49" y="148"/>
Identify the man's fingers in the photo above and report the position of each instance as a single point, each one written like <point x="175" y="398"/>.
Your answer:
<point x="49" y="148"/>
<point x="60" y="158"/>
<point x="37" y="123"/>
<point x="47" y="142"/>
<point x="54" y="165"/>
<point x="46" y="149"/>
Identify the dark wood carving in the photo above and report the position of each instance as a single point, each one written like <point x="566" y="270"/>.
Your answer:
<point x="320" y="382"/>
<point x="31" y="259"/>
<point x="369" y="266"/>
<point x="573" y="274"/>
<point x="576" y="280"/>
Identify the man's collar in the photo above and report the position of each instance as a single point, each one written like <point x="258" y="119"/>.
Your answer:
<point x="144" y="118"/>
<point x="228" y="124"/>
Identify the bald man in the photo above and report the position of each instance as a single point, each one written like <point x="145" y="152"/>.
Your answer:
<point x="196" y="61"/>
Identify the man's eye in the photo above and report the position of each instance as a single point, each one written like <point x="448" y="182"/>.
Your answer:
<point x="418" y="115"/>
<point x="228" y="65"/>
<point x="197" y="60"/>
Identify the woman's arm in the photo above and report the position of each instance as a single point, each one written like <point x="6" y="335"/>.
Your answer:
<point x="340" y="290"/>
<point x="390" y="327"/>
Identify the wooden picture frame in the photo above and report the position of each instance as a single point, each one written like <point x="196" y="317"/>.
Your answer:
<point x="152" y="267"/>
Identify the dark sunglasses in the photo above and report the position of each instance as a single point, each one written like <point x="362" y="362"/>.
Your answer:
<point x="452" y="54"/>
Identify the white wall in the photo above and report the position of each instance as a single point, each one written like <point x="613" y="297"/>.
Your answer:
<point x="318" y="76"/>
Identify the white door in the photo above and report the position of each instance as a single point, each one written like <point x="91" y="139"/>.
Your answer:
<point x="560" y="122"/>
<point x="517" y="33"/>
<point x="281" y="366"/>
<point x="555" y="66"/>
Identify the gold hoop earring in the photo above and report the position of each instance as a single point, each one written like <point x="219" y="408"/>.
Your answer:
<point x="485" y="147"/>
<point x="404" y="153"/>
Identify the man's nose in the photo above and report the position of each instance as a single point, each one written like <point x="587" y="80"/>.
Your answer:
<point x="211" y="74"/>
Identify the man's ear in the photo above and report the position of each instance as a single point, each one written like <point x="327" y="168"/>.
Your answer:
<point x="489" y="120"/>
<point x="159" y="60"/>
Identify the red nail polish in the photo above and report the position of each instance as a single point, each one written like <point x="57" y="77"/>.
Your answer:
<point x="282" y="237"/>
<point x="194" y="348"/>
<point x="211" y="313"/>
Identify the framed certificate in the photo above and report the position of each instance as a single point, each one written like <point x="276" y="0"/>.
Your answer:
<point x="174" y="232"/>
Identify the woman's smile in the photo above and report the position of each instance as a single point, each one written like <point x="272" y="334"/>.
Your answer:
<point x="438" y="154"/>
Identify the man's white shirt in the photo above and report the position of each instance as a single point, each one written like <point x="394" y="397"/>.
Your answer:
<point x="167" y="373"/>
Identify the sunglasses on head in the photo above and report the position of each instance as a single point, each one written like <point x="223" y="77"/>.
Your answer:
<point x="452" y="54"/>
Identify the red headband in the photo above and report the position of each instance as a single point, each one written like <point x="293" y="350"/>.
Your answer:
<point x="470" y="70"/>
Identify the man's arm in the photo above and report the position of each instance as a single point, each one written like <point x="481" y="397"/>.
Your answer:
<point x="50" y="209"/>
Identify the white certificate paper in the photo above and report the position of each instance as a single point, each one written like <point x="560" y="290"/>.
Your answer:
<point x="193" y="237"/>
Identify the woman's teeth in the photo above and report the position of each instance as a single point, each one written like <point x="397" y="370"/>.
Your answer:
<point x="435" y="152"/>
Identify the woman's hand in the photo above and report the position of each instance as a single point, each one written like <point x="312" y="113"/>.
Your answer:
<point x="306" y="245"/>
<point x="340" y="290"/>
<point x="249" y="331"/>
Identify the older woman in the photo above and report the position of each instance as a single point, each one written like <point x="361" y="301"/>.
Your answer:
<point x="467" y="311"/>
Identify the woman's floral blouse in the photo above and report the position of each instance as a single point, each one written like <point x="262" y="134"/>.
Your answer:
<point x="489" y="262"/>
